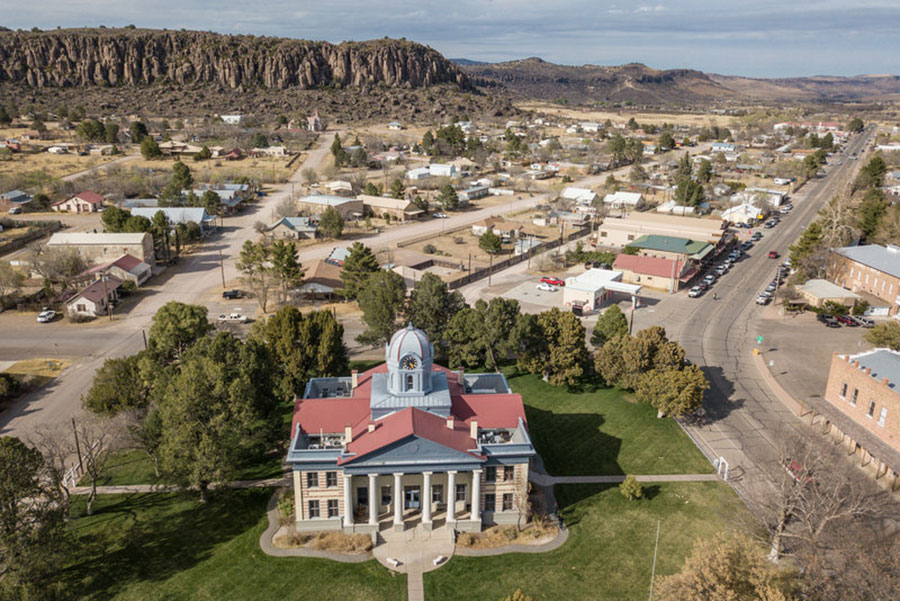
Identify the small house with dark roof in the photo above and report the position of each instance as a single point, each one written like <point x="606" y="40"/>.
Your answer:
<point x="94" y="300"/>
<point x="409" y="442"/>
<point x="293" y="228"/>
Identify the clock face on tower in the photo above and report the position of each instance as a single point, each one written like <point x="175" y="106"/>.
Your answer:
<point x="409" y="362"/>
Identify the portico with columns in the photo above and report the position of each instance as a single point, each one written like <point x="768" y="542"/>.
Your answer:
<point x="409" y="443"/>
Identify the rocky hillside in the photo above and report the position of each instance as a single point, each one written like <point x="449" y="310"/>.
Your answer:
<point x="819" y="88"/>
<point x="535" y="78"/>
<point x="135" y="57"/>
<point x="200" y="73"/>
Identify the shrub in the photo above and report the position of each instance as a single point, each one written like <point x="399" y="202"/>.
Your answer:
<point x="9" y="386"/>
<point x="127" y="287"/>
<point x="429" y="249"/>
<point x="860" y="308"/>
<point x="80" y="318"/>
<point x="631" y="489"/>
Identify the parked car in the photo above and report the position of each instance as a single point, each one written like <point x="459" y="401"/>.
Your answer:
<point x="763" y="299"/>
<point x="709" y="279"/>
<point x="14" y="210"/>
<point x="829" y="321"/>
<point x="746" y="245"/>
<point x="773" y="254"/>
<point x="547" y="288"/>
<point x="863" y="321"/>
<point x="846" y="320"/>
<point x="756" y="237"/>
<point x="46" y="316"/>
<point x="695" y="292"/>
<point x="547" y="279"/>
<point x="439" y="215"/>
<point x="232" y="294"/>
<point x="703" y="286"/>
<point x="769" y="225"/>
<point x="233" y="318"/>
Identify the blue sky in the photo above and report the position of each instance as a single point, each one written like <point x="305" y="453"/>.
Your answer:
<point x="760" y="38"/>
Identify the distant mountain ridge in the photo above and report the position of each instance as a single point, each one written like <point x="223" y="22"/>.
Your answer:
<point x="637" y="83"/>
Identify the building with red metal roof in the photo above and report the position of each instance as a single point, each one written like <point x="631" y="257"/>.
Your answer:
<point x="409" y="440"/>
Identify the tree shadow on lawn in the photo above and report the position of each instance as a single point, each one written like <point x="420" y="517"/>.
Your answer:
<point x="569" y="498"/>
<point x="154" y="539"/>
<point x="572" y="444"/>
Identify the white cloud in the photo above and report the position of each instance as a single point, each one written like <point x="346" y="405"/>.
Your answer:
<point x="650" y="9"/>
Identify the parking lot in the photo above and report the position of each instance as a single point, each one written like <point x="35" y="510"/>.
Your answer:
<point x="527" y="294"/>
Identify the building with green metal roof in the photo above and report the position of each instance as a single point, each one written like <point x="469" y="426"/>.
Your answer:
<point x="653" y="245"/>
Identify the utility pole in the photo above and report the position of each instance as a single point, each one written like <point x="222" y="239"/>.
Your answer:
<point x="105" y="277"/>
<point x="144" y="334"/>
<point x="653" y="569"/>
<point x="490" y="267"/>
<point x="77" y="446"/>
<point x="222" y="268"/>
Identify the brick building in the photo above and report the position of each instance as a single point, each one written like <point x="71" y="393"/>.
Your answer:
<point x="871" y="269"/>
<point x="408" y="441"/>
<point x="866" y="388"/>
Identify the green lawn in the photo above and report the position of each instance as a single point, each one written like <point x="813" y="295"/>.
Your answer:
<point x="132" y="466"/>
<point x="602" y="431"/>
<point x="610" y="548"/>
<point x="149" y="547"/>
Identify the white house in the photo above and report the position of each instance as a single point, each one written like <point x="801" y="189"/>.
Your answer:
<point x="83" y="202"/>
<point x="743" y="213"/>
<point x="442" y="170"/>
<point x="93" y="301"/>
<point x="595" y="286"/>
<point x="419" y="173"/>
<point x="618" y="200"/>
<point x="582" y="196"/>
<point x="232" y="119"/>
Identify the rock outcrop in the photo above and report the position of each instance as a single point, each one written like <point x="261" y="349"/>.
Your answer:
<point x="137" y="57"/>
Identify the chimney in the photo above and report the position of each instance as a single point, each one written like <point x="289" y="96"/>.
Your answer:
<point x="885" y="381"/>
<point x="460" y="377"/>
<point x="348" y="435"/>
<point x="473" y="429"/>
<point x="371" y="427"/>
<point x="450" y="422"/>
<point x="868" y="371"/>
<point x="354" y="378"/>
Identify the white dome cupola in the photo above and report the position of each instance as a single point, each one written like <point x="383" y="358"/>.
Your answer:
<point x="409" y="357"/>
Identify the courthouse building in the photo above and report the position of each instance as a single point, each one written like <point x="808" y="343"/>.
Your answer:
<point x="409" y="442"/>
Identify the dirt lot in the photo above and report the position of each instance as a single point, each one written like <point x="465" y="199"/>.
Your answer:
<point x="462" y="243"/>
<point x="265" y="169"/>
<point x="54" y="165"/>
<point x="623" y="116"/>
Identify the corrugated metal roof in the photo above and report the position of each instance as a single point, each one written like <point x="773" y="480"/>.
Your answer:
<point x="885" y="259"/>
<point x="96" y="238"/>
<point x="884" y="363"/>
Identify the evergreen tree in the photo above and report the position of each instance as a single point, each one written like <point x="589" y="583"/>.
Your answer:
<point x="610" y="324"/>
<point x="381" y="301"/>
<point x="432" y="305"/>
<point x="177" y="326"/>
<point x="285" y="266"/>
<point x="490" y="243"/>
<point x="359" y="265"/>
<point x="448" y="199"/>
<point x="331" y="224"/>
<point x="398" y="190"/>
<point x="150" y="149"/>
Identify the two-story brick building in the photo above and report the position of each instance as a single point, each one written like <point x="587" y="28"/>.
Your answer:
<point x="409" y="441"/>
<point x="866" y="388"/>
<point x="870" y="269"/>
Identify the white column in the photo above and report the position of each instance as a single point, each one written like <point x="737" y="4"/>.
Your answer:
<point x="348" y="500"/>
<point x="476" y="495"/>
<point x="451" y="496"/>
<point x="373" y="500"/>
<point x="398" y="500"/>
<point x="426" y="497"/>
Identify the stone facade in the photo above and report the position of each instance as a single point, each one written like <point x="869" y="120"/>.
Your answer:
<point x="858" y="277"/>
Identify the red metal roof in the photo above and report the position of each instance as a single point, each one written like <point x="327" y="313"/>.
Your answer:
<point x="655" y="266"/>
<point x="406" y="423"/>
<point x="96" y="291"/>
<point x="332" y="415"/>
<point x="127" y="262"/>
<point x="87" y="196"/>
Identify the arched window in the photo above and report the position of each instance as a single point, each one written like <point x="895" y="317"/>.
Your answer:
<point x="409" y="382"/>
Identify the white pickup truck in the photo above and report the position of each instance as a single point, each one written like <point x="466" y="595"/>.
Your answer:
<point x="233" y="318"/>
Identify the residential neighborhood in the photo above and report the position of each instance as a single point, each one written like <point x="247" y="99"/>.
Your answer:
<point x="514" y="347"/>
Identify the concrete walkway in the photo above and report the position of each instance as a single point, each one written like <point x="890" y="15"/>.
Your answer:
<point x="416" y="551"/>
<point x="125" y="489"/>
<point x="547" y="480"/>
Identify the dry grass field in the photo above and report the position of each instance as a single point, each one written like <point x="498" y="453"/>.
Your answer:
<point x="54" y="165"/>
<point x="695" y="120"/>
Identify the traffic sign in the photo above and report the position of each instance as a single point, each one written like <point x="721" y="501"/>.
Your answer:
<point x="759" y="340"/>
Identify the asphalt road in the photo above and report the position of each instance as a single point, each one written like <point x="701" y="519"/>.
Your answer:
<point x="747" y="420"/>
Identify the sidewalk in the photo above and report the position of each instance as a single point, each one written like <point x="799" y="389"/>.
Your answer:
<point x="125" y="489"/>
<point x="547" y="480"/>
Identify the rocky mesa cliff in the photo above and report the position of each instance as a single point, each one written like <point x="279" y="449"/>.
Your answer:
<point x="137" y="57"/>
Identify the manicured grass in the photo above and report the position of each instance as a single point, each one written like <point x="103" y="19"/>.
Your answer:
<point x="132" y="466"/>
<point x="609" y="552"/>
<point x="154" y="547"/>
<point x="603" y="431"/>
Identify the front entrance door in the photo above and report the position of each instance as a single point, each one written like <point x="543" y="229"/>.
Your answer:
<point x="411" y="497"/>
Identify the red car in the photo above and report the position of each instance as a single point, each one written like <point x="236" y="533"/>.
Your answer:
<point x="773" y="254"/>
<point x="552" y="281"/>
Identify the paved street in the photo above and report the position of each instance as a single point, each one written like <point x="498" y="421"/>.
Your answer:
<point x="747" y="419"/>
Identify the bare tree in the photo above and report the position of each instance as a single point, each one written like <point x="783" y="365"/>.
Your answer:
<point x="284" y="208"/>
<point x="57" y="265"/>
<point x="357" y="181"/>
<point x="815" y="491"/>
<point x="58" y="449"/>
<point x="145" y="432"/>
<point x="309" y="176"/>
<point x="98" y="437"/>
<point x="838" y="218"/>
